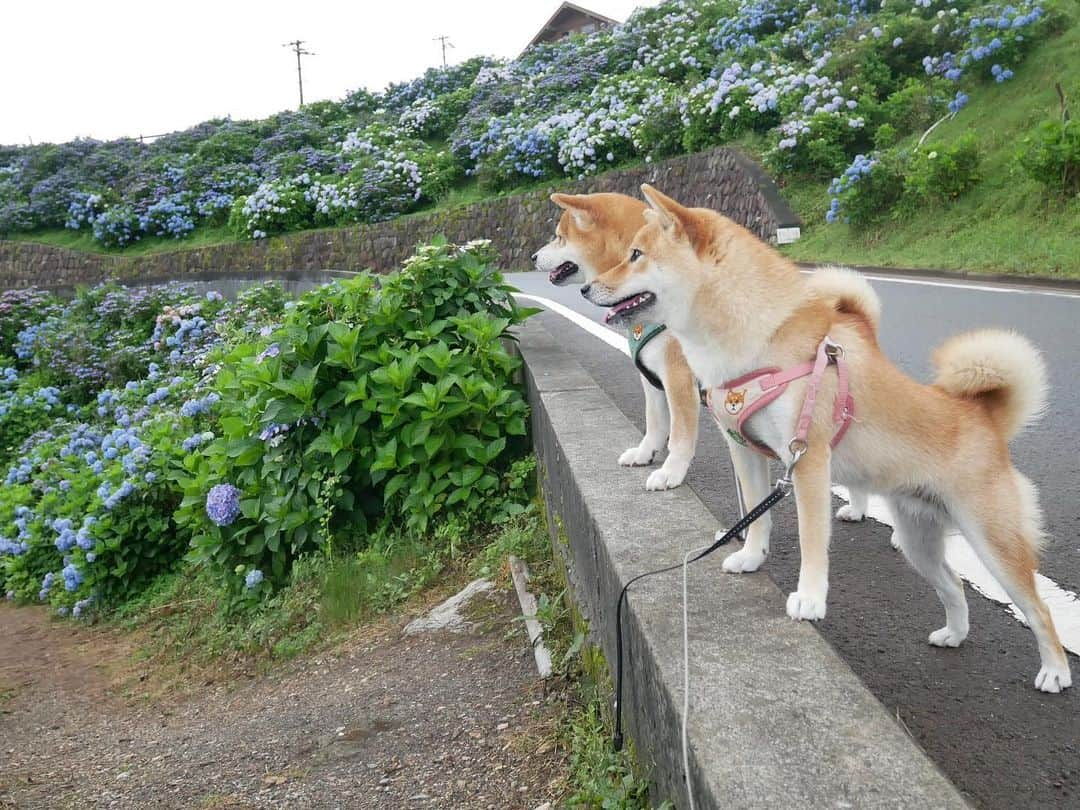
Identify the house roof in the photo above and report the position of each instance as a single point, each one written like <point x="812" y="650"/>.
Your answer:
<point x="562" y="9"/>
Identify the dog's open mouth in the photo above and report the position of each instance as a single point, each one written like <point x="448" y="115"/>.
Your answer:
<point x="629" y="306"/>
<point x="562" y="272"/>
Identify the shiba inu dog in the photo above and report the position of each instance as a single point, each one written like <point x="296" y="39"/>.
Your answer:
<point x="939" y="453"/>
<point x="593" y="234"/>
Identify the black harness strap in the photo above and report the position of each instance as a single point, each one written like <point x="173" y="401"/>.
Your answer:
<point x="780" y="491"/>
<point x="647" y="373"/>
<point x="637" y="344"/>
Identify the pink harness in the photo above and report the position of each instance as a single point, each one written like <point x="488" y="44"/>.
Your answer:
<point x="741" y="398"/>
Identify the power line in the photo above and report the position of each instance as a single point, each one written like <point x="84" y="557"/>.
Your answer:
<point x="298" y="46"/>
<point x="446" y="43"/>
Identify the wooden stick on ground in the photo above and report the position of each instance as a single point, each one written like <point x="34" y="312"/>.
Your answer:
<point x="520" y="573"/>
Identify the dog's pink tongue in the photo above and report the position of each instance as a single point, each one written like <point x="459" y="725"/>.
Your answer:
<point x="622" y="306"/>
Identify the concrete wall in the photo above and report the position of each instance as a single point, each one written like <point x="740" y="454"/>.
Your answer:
<point x="517" y="225"/>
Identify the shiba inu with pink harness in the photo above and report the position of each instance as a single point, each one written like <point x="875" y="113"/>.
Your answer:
<point x="744" y="316"/>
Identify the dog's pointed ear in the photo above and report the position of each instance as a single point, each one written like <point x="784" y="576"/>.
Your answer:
<point x="579" y="206"/>
<point x="670" y="215"/>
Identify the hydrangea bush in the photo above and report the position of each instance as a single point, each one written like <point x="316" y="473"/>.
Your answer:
<point x="86" y="512"/>
<point x="812" y="85"/>
<point x="370" y="407"/>
<point x="182" y="428"/>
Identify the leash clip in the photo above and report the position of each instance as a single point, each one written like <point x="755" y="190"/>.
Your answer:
<point x="834" y="351"/>
<point x="797" y="447"/>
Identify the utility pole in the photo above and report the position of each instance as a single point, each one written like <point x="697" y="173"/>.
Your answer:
<point x="446" y="43"/>
<point x="298" y="46"/>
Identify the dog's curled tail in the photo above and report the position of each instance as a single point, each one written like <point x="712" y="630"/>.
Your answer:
<point x="849" y="292"/>
<point x="1001" y="370"/>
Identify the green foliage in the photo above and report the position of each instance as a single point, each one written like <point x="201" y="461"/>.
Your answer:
<point x="601" y="777"/>
<point x="196" y="617"/>
<point x="368" y="408"/>
<point x="707" y="127"/>
<point x="915" y="106"/>
<point x="23" y="412"/>
<point x="941" y="172"/>
<point x="902" y="182"/>
<point x="192" y="618"/>
<point x="824" y="148"/>
<point x="1051" y="156"/>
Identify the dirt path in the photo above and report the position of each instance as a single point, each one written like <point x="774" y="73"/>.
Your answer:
<point x="436" y="720"/>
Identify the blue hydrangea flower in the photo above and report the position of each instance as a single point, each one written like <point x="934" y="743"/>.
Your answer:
<point x="223" y="504"/>
<point x="253" y="578"/>
<point x="72" y="577"/>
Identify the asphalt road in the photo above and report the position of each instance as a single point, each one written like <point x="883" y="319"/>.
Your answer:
<point x="973" y="709"/>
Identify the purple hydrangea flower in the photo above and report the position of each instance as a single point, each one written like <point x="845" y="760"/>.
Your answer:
<point x="273" y="350"/>
<point x="223" y="504"/>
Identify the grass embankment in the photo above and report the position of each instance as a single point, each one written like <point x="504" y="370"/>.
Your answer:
<point x="1006" y="223"/>
<point x="83" y="240"/>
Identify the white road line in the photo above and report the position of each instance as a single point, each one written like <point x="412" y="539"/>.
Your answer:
<point x="1004" y="287"/>
<point x="610" y="337"/>
<point x="1064" y="605"/>
<point x="964" y="285"/>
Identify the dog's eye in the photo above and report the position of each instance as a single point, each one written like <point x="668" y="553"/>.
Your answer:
<point x="635" y="254"/>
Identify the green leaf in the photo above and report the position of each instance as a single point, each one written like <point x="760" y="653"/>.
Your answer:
<point x="385" y="456"/>
<point x="494" y="448"/>
<point x="393" y="485"/>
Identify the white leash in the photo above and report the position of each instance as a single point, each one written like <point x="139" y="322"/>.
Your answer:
<point x="686" y="648"/>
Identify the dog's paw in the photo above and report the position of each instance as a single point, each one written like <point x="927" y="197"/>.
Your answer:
<point x="637" y="457"/>
<point x="744" y="561"/>
<point x="947" y="637"/>
<point x="805" y="606"/>
<point x="662" y="479"/>
<point x="850" y="514"/>
<point x="894" y="540"/>
<point x="1053" y="678"/>
<point x="669" y="476"/>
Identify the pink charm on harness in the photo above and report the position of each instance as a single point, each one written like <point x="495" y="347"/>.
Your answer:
<point x="732" y="403"/>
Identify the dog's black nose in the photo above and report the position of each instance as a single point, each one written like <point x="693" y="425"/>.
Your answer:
<point x="533" y="257"/>
<point x="585" y="290"/>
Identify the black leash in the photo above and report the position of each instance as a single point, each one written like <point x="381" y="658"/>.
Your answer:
<point x="780" y="491"/>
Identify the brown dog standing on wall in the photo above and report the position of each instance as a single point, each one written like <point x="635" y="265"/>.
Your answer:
<point x="939" y="452"/>
<point x="594" y="234"/>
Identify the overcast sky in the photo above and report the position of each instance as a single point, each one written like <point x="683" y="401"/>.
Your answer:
<point x="118" y="67"/>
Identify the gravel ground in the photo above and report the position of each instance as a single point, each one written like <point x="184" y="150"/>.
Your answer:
<point x="436" y="720"/>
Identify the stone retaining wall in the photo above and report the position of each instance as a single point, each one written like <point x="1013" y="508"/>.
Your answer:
<point x="517" y="225"/>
